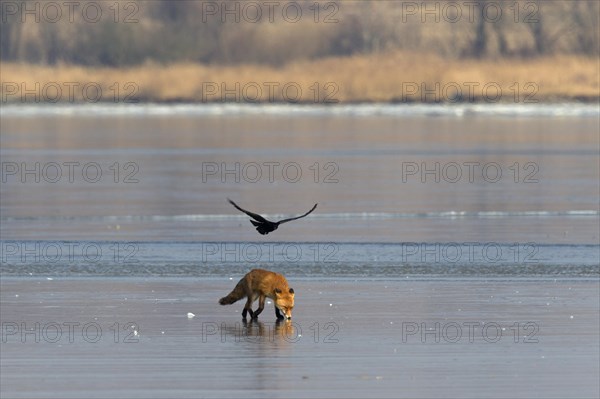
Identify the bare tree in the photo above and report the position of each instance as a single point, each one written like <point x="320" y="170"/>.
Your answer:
<point x="480" y="44"/>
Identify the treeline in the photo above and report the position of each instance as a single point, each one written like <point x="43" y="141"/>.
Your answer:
<point x="133" y="32"/>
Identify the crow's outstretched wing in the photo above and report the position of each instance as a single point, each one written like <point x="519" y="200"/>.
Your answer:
<point x="251" y="214"/>
<point x="298" y="217"/>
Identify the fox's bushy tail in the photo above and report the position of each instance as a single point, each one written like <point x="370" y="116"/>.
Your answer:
<point x="238" y="293"/>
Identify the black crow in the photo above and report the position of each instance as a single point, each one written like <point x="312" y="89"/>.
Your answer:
<point x="264" y="226"/>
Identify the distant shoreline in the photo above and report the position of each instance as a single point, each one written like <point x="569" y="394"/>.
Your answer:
<point x="550" y="101"/>
<point x="362" y="110"/>
<point x="393" y="78"/>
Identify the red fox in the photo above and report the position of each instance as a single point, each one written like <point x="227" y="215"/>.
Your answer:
<point x="261" y="284"/>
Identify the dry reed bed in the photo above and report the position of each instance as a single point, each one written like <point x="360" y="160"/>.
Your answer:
<point x="392" y="77"/>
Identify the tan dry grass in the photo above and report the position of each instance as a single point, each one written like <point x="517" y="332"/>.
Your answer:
<point x="363" y="78"/>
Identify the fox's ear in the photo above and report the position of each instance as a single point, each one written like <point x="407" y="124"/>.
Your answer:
<point x="291" y="290"/>
<point x="277" y="291"/>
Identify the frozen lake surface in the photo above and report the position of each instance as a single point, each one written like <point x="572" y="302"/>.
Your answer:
<point x="454" y="251"/>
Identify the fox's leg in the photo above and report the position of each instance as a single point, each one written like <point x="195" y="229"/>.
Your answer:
<point x="261" y="306"/>
<point x="278" y="313"/>
<point x="248" y="308"/>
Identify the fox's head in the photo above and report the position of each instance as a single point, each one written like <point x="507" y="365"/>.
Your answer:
<point x="284" y="301"/>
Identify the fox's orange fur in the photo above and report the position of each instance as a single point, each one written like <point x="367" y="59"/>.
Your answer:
<point x="261" y="284"/>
